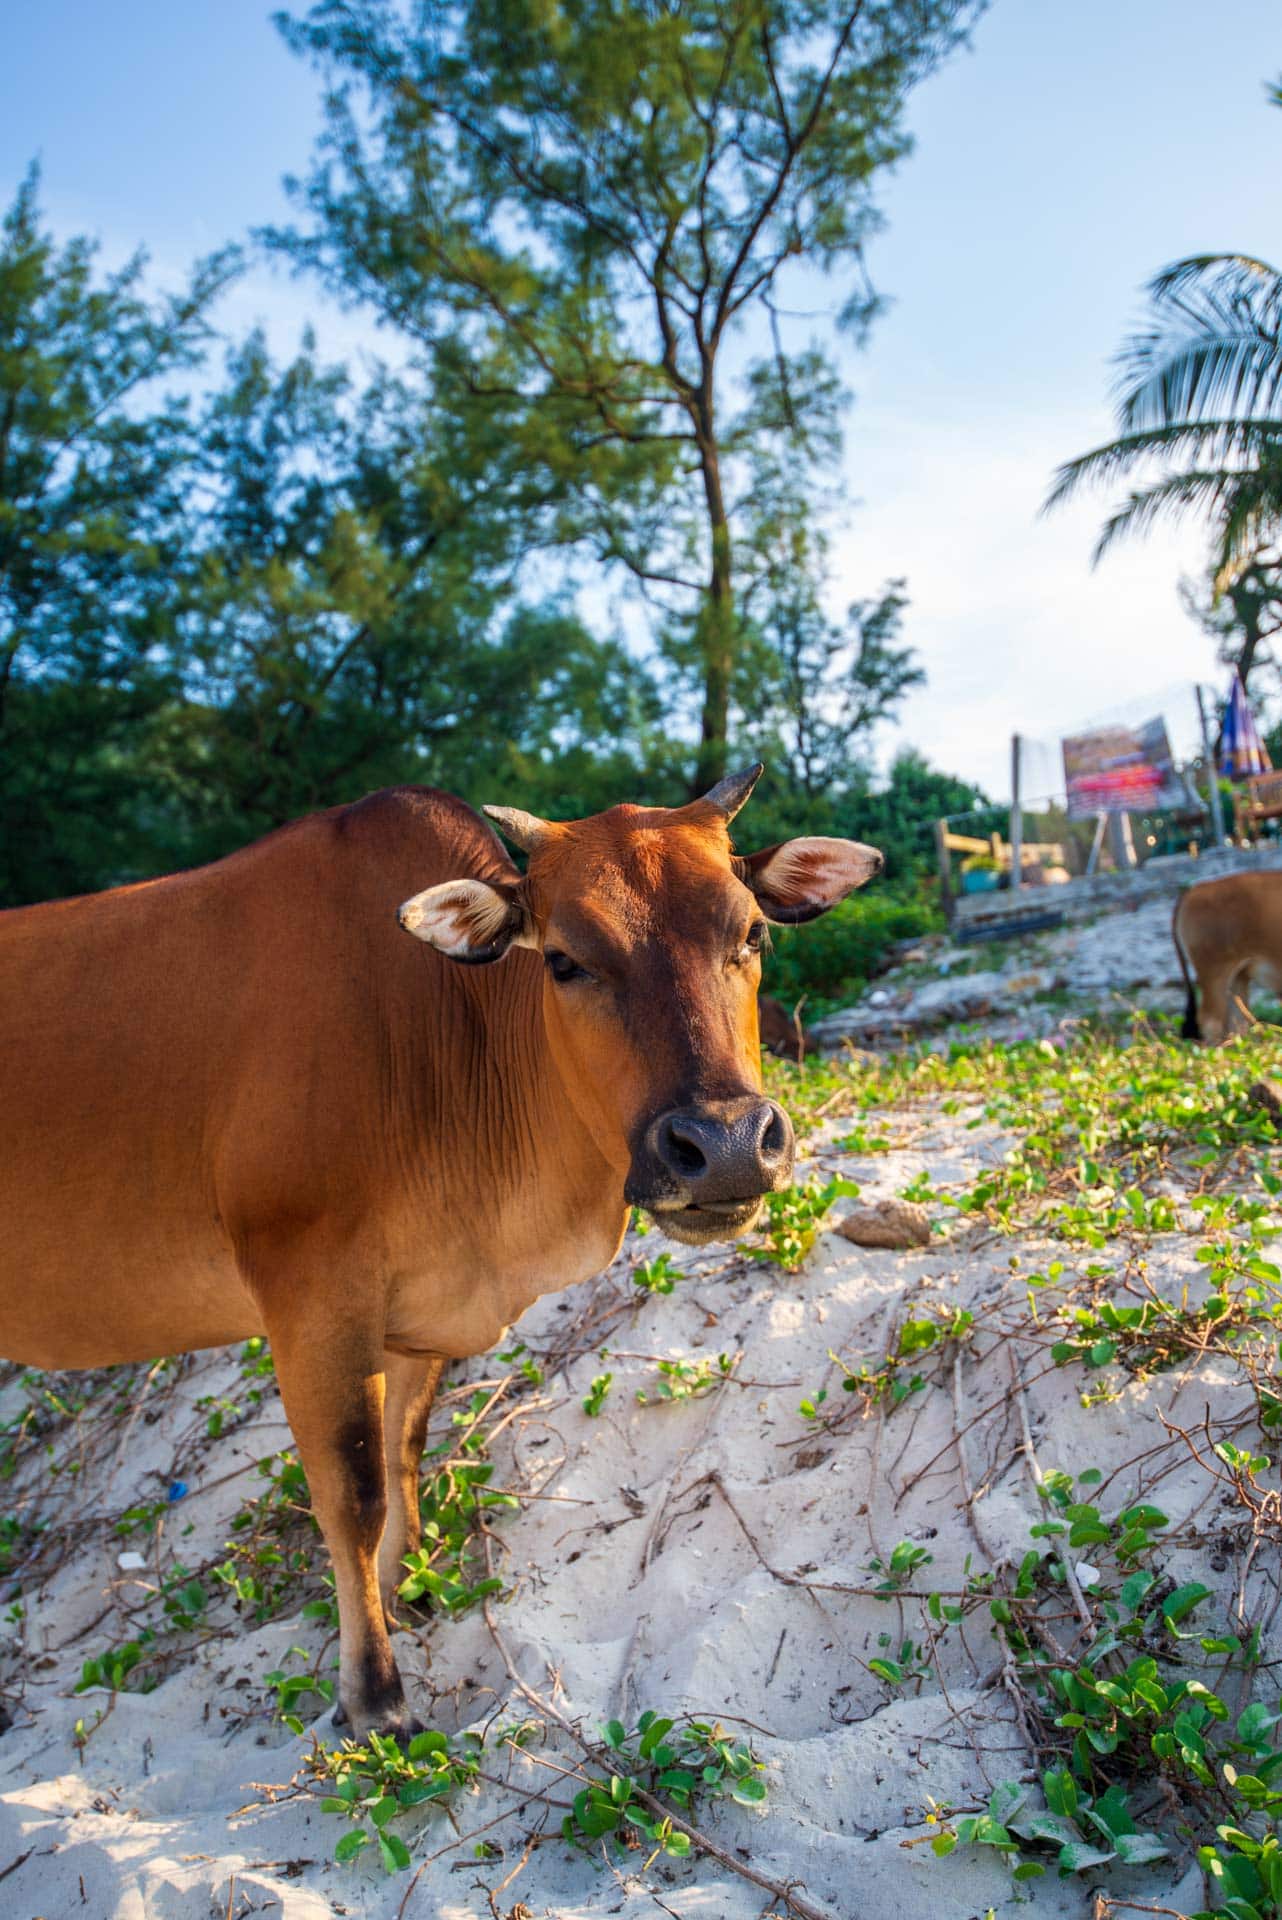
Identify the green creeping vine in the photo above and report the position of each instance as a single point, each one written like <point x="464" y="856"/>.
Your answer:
<point x="677" y="1761"/>
<point x="686" y="1379"/>
<point x="373" y="1784"/>
<point x="793" y="1220"/>
<point x="1131" y="1718"/>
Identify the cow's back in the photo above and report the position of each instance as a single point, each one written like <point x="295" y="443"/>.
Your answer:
<point x="1237" y="915"/>
<point x="195" y="1060"/>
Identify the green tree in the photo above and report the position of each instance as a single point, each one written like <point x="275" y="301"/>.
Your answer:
<point x="1243" y="615"/>
<point x="577" y="208"/>
<point x="350" y="621"/>
<point x="813" y="689"/>
<point x="93" y="468"/>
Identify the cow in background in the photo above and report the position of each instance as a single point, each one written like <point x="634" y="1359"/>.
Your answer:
<point x="1228" y="935"/>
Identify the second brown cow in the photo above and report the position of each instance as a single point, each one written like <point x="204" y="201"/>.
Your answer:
<point x="1228" y="935"/>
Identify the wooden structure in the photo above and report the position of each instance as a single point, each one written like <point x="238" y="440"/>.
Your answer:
<point x="1257" y="800"/>
<point x="1031" y="853"/>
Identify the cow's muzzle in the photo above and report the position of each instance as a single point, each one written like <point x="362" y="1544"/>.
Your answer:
<point x="702" y="1171"/>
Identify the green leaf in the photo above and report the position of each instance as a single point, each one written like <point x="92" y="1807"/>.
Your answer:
<point x="1178" y="1605"/>
<point x="1060" y="1791"/>
<point x="1006" y="1800"/>
<point x="383" y="1809"/>
<point x="1255" y="1722"/>
<point x="750" y="1791"/>
<point x="396" y="1855"/>
<point x="1144" y="1516"/>
<point x="415" y="1792"/>
<point x="1137" y="1849"/>
<point x="1053" y="1827"/>
<point x="1112" y="1815"/>
<point x="351" y="1843"/>
<point x="1135" y="1587"/>
<point x="985" y="1832"/>
<point x="652" y="1735"/>
<point x="1079" y="1855"/>
<point x="596" y="1817"/>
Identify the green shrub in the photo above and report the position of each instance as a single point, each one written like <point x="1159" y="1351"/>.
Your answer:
<point x="830" y="960"/>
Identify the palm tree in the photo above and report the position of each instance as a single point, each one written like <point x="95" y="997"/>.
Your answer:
<point x="1199" y="414"/>
<point x="1200" y="400"/>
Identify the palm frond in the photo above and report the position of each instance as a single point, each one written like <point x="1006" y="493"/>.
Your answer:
<point x="1244" y="268"/>
<point x="1205" y="491"/>
<point x="1215" y="347"/>
<point x="1204" y="442"/>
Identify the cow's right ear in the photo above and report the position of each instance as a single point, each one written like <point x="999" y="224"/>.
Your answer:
<point x="469" y="920"/>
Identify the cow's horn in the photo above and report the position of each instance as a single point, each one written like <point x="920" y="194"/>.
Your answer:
<point x="524" y="830"/>
<point x="731" y="793"/>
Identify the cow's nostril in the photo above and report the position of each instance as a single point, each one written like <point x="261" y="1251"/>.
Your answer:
<point x="774" y="1138"/>
<point x="681" y="1150"/>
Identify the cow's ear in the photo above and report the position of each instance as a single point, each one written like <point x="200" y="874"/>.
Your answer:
<point x="469" y="920"/>
<point x="800" y="879"/>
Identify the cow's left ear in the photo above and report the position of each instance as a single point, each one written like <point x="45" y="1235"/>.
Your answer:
<point x="469" y="920"/>
<point x="800" y="879"/>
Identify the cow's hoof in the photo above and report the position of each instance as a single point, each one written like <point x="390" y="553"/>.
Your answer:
<point x="391" y="1719"/>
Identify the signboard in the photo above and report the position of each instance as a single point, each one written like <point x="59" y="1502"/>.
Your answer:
<point x="1121" y="770"/>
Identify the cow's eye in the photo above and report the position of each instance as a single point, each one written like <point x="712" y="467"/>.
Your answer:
<point x="561" y="967"/>
<point x="755" y="938"/>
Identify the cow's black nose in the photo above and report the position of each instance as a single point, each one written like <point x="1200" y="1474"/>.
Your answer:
<point x="726" y="1150"/>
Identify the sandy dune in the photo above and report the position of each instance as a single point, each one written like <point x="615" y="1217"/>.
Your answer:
<point x="712" y="1557"/>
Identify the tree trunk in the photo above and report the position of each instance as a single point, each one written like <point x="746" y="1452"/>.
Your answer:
<point x="716" y="625"/>
<point x="1249" y="617"/>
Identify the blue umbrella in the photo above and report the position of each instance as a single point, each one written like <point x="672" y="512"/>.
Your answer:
<point x="1242" y="751"/>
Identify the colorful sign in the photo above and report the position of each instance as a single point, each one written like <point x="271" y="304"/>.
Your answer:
<point x="1121" y="770"/>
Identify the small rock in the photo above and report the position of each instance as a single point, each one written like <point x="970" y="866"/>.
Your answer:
<point x="890" y="1223"/>
<point x="130" y="1562"/>
<point x="1267" y="1094"/>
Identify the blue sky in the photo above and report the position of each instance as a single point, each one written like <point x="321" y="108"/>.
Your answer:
<point x="1078" y="147"/>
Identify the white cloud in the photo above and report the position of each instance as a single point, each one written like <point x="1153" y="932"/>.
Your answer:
<point x="1015" y="630"/>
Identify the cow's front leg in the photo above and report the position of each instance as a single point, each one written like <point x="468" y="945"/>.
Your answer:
<point x="330" y="1370"/>
<point x="411" y="1388"/>
<point x="1216" y="1009"/>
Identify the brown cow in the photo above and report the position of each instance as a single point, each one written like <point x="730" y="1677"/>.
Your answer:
<point x="1227" y="933"/>
<point x="781" y="1032"/>
<point x="240" y="1101"/>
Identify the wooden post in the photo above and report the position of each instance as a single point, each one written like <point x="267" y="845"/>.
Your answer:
<point x="1016" y="817"/>
<point x="1092" y="859"/>
<point x="1123" y="842"/>
<point x="945" y="868"/>
<point x="1212" y="774"/>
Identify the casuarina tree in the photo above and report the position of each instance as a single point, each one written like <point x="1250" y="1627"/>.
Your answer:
<point x="578" y="207"/>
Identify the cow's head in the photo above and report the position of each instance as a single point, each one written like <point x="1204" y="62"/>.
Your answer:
<point x="650" y="930"/>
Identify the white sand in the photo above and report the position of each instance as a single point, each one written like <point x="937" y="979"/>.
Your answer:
<point x="618" y="1600"/>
